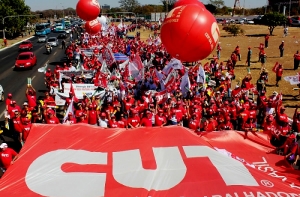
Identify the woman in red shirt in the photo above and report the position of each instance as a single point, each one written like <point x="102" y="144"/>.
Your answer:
<point x="134" y="120"/>
<point x="146" y="120"/>
<point x="160" y="118"/>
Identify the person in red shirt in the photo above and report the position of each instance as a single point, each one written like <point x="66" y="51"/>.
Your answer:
<point x="12" y="108"/>
<point x="112" y="123"/>
<point x="93" y="115"/>
<point x="8" y="100"/>
<point x="70" y="119"/>
<point x="160" y="118"/>
<point x="233" y="58"/>
<point x="122" y="121"/>
<point x="267" y="37"/>
<point x="26" y="129"/>
<point x="237" y="52"/>
<point x="50" y="117"/>
<point x="269" y="127"/>
<point x="249" y="126"/>
<point x="226" y="125"/>
<point x="146" y="120"/>
<point x="48" y="100"/>
<point x="31" y="96"/>
<point x="194" y="122"/>
<point x="242" y="118"/>
<point x="134" y="119"/>
<point x="279" y="72"/>
<point x="18" y="127"/>
<point x="246" y="82"/>
<point x="296" y="121"/>
<point x="210" y="125"/>
<point x="83" y="118"/>
<point x="7" y="156"/>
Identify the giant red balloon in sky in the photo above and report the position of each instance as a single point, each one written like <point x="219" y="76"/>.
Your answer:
<point x="187" y="2"/>
<point x="93" y="27"/>
<point x="88" y="9"/>
<point x="190" y="33"/>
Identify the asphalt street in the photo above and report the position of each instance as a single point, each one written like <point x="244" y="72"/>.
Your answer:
<point x="15" y="82"/>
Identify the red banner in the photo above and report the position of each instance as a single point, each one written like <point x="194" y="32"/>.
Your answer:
<point x="82" y="160"/>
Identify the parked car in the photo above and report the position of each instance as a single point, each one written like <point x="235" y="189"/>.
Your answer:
<point x="25" y="60"/>
<point x="26" y="45"/>
<point x="42" y="38"/>
<point x="52" y="41"/>
<point x="1" y="93"/>
<point x="239" y="21"/>
<point x="62" y="36"/>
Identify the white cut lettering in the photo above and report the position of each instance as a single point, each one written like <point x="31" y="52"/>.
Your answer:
<point x="45" y="176"/>
<point x="248" y="195"/>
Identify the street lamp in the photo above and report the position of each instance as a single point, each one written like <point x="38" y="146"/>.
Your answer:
<point x="12" y="16"/>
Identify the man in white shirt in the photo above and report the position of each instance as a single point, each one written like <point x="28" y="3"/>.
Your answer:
<point x="102" y="120"/>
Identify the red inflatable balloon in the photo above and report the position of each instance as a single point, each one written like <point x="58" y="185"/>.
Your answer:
<point x="88" y="9"/>
<point x="190" y="33"/>
<point x="188" y="2"/>
<point x="93" y="27"/>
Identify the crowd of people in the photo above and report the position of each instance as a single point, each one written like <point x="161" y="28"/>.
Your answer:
<point x="149" y="90"/>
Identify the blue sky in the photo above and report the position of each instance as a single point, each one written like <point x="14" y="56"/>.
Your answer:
<point x="60" y="4"/>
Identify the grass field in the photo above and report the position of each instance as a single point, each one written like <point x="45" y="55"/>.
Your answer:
<point x="254" y="35"/>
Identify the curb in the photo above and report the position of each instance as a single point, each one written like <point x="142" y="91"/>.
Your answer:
<point x="16" y="43"/>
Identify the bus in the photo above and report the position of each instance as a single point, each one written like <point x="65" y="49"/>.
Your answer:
<point x="59" y="26"/>
<point x="67" y="23"/>
<point x="42" y="29"/>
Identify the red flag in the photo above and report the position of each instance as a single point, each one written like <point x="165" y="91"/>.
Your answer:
<point x="72" y="91"/>
<point x="137" y="61"/>
<point x="108" y="56"/>
<point x="161" y="97"/>
<point x="274" y="69"/>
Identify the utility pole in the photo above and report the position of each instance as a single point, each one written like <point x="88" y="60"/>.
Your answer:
<point x="12" y="16"/>
<point x="290" y="5"/>
<point x="167" y="6"/>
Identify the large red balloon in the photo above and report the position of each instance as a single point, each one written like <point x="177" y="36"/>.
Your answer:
<point x="88" y="9"/>
<point x="190" y="33"/>
<point x="93" y="27"/>
<point x="188" y="2"/>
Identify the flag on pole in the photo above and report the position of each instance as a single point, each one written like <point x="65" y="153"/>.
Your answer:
<point x="161" y="97"/>
<point x="201" y="75"/>
<point x="275" y="67"/>
<point x="185" y="84"/>
<point x="70" y="109"/>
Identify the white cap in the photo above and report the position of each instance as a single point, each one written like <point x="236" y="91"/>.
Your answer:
<point x="3" y="145"/>
<point x="25" y="103"/>
<point x="283" y="41"/>
<point x="237" y="86"/>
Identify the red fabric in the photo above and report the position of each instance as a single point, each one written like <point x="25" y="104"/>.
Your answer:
<point x="146" y="122"/>
<point x="26" y="131"/>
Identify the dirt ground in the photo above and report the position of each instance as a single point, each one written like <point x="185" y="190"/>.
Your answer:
<point x="254" y="35"/>
<point x="15" y="40"/>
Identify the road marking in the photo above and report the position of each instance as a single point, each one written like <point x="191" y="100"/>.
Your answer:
<point x="47" y="62"/>
<point x="32" y="78"/>
<point x="2" y="113"/>
<point x="12" y="66"/>
<point x="4" y="57"/>
<point x="55" y="53"/>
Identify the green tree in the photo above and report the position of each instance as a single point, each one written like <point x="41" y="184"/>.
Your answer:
<point x="217" y="3"/>
<point x="129" y="5"/>
<point x="234" y="30"/>
<point x="210" y="7"/>
<point x="273" y="20"/>
<point x="168" y="4"/>
<point x="14" y="25"/>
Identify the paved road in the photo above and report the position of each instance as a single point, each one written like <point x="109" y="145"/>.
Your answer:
<point x="15" y="82"/>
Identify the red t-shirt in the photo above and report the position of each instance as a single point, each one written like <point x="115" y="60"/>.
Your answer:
<point x="92" y="117"/>
<point x="160" y="120"/>
<point x="122" y="123"/>
<point x="31" y="100"/>
<point x="52" y="120"/>
<point x="113" y="124"/>
<point x="26" y="130"/>
<point x="11" y="110"/>
<point x="279" y="72"/>
<point x="7" y="156"/>
<point x="18" y="125"/>
<point x="134" y="121"/>
<point x="147" y="122"/>
<point x="193" y="124"/>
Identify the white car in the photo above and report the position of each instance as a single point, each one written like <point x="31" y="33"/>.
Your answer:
<point x="52" y="41"/>
<point x="42" y="38"/>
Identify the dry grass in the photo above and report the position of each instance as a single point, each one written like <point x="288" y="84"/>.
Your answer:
<point x="254" y="34"/>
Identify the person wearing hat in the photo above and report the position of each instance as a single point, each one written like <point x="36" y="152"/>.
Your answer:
<point x="281" y="48"/>
<point x="146" y="121"/>
<point x="18" y="127"/>
<point x="134" y="119"/>
<point x="249" y="53"/>
<point x="48" y="100"/>
<point x="267" y="37"/>
<point x="225" y="125"/>
<point x="31" y="96"/>
<point x="122" y="121"/>
<point x="70" y="119"/>
<point x="160" y="118"/>
<point x="12" y="108"/>
<point x="103" y="121"/>
<point x="279" y="73"/>
<point x="8" y="100"/>
<point x="50" y="117"/>
<point x="7" y="156"/>
<point x="26" y="124"/>
<point x="113" y="123"/>
<point x="219" y="49"/>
